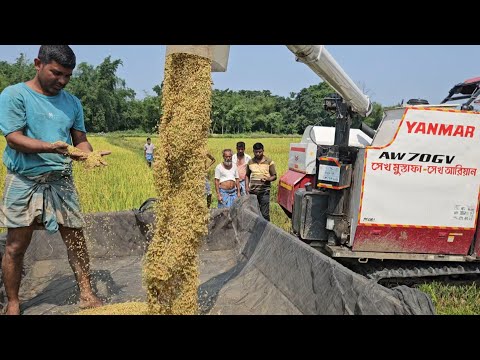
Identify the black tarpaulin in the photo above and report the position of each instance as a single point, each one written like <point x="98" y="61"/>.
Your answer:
<point x="247" y="266"/>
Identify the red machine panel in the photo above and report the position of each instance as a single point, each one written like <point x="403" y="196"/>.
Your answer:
<point x="416" y="240"/>
<point x="288" y="184"/>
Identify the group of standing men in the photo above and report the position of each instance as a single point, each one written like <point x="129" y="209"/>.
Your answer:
<point x="240" y="174"/>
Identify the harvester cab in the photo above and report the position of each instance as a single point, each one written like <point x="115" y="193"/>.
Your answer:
<point x="469" y="89"/>
<point x="407" y="191"/>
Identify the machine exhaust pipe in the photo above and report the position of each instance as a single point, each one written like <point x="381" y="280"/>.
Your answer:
<point x="367" y="130"/>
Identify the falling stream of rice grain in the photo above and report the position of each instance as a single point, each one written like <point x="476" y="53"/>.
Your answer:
<point x="170" y="269"/>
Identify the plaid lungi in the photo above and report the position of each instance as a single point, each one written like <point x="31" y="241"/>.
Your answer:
<point x="50" y="199"/>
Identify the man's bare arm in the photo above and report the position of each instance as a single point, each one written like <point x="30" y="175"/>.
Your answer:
<point x="80" y="141"/>
<point x="17" y="141"/>
<point x="217" y="189"/>
<point x="273" y="174"/>
<point x="247" y="180"/>
<point x="237" y="181"/>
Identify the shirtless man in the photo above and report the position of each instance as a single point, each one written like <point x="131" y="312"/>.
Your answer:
<point x="227" y="182"/>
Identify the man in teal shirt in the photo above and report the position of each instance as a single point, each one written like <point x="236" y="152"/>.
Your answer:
<point x="39" y="189"/>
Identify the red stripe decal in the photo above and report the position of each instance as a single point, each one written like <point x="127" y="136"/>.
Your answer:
<point x="299" y="149"/>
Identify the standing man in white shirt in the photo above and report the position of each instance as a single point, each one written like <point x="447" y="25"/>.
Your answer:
<point x="226" y="181"/>
<point x="148" y="150"/>
<point x="241" y="160"/>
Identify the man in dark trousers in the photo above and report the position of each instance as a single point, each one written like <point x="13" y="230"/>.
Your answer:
<point x="260" y="174"/>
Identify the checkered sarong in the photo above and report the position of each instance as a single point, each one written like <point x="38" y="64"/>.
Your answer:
<point x="50" y="199"/>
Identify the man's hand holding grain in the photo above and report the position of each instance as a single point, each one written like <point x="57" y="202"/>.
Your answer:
<point x="91" y="159"/>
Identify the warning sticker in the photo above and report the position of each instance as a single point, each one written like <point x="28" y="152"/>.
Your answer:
<point x="463" y="212"/>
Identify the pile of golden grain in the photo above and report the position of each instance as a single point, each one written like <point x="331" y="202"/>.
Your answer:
<point x="128" y="308"/>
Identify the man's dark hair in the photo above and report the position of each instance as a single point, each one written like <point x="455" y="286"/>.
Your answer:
<point x="62" y="54"/>
<point x="240" y="144"/>
<point x="258" y="146"/>
<point x="148" y="139"/>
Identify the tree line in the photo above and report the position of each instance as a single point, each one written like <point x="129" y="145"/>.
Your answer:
<point x="109" y="105"/>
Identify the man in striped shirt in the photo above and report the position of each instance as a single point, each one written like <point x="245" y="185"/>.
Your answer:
<point x="241" y="160"/>
<point x="260" y="173"/>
